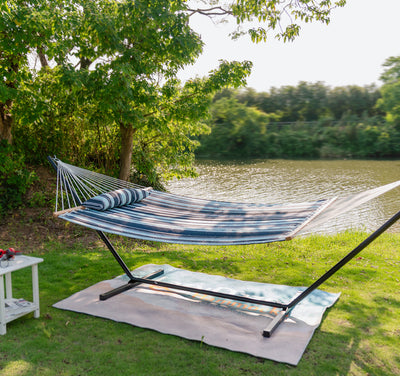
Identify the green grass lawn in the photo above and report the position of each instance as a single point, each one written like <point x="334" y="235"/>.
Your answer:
<point x="359" y="335"/>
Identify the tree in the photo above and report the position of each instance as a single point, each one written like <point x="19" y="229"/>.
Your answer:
<point x="352" y="99"/>
<point x="14" y="50"/>
<point x="116" y="63"/>
<point x="392" y="71"/>
<point x="236" y="130"/>
<point x="390" y="101"/>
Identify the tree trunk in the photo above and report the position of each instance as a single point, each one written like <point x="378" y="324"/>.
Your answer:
<point x="6" y="120"/>
<point x="127" y="133"/>
<point x="6" y="123"/>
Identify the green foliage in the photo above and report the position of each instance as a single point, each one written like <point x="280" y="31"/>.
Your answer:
<point x="313" y="101"/>
<point x="390" y="101"/>
<point x="38" y="200"/>
<point x="15" y="179"/>
<point x="236" y="130"/>
<point x="391" y="73"/>
<point x="282" y="19"/>
<point x="240" y="128"/>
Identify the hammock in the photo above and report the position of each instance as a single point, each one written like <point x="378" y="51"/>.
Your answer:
<point x="164" y="217"/>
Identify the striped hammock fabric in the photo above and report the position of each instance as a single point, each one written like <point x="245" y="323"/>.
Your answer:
<point x="170" y="218"/>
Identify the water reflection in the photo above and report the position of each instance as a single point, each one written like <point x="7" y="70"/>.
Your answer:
<point x="281" y="181"/>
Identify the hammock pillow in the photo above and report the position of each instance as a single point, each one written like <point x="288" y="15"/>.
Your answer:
<point x="116" y="198"/>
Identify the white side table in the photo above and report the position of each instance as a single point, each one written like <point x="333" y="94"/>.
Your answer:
<point x="11" y="308"/>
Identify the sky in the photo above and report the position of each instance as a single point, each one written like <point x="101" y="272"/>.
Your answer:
<point x="350" y="50"/>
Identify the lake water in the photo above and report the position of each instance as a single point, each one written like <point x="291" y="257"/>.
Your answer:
<point x="281" y="181"/>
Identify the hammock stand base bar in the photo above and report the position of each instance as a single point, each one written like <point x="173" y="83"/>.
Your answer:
<point x="130" y="285"/>
<point x="285" y="309"/>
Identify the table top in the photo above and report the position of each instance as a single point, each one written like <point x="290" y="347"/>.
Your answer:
<point x="18" y="262"/>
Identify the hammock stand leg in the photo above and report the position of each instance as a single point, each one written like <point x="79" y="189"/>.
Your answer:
<point x="132" y="282"/>
<point x="286" y="311"/>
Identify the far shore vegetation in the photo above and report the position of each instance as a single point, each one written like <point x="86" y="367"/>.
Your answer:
<point x="310" y="120"/>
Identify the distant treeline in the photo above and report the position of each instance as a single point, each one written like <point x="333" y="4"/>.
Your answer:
<point x="310" y="120"/>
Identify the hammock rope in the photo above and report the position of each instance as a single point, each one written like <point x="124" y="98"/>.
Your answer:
<point x="78" y="185"/>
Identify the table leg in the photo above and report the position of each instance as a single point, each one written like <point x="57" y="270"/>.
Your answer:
<point x="8" y="286"/>
<point x="2" y="308"/>
<point x="35" y="290"/>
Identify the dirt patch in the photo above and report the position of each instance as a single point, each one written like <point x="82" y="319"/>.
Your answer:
<point x="29" y="228"/>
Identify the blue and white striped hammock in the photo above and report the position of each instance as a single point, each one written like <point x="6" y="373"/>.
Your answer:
<point x="165" y="217"/>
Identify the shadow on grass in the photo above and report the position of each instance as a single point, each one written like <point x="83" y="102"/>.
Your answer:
<point x="359" y="340"/>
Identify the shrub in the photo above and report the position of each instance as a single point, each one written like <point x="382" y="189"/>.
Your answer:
<point x="15" y="178"/>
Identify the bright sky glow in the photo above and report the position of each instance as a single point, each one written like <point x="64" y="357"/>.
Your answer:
<point x="348" y="51"/>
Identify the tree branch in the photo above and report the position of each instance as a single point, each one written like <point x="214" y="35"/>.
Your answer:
<point x="214" y="11"/>
<point x="42" y="57"/>
<point x="85" y="63"/>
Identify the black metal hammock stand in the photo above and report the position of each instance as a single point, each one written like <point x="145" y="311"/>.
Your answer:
<point x="110" y="205"/>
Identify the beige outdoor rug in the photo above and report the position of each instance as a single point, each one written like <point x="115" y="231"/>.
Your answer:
<point x="231" y="325"/>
